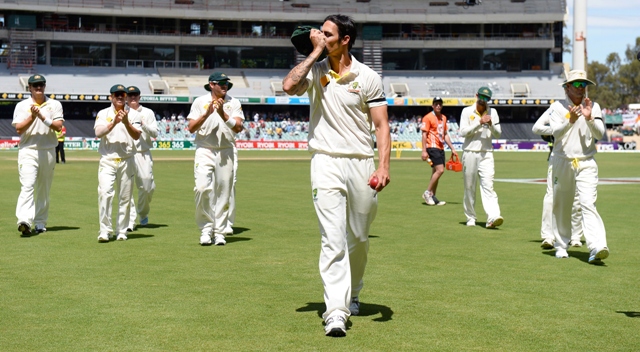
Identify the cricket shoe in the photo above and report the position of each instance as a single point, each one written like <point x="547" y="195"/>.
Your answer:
<point x="597" y="255"/>
<point x="335" y="326"/>
<point x="121" y="237"/>
<point x="354" y="307"/>
<point x="471" y="222"/>
<point x="547" y="243"/>
<point x="438" y="202"/>
<point x="428" y="198"/>
<point x="205" y="240"/>
<point x="575" y="243"/>
<point x="24" y="228"/>
<point x="144" y="221"/>
<point x="492" y="224"/>
<point x="561" y="253"/>
<point x="104" y="237"/>
<point x="219" y="240"/>
<point x="40" y="229"/>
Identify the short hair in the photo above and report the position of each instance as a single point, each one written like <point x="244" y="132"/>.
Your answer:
<point x="346" y="26"/>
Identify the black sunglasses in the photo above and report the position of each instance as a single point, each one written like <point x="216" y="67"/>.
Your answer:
<point x="119" y="94"/>
<point x="37" y="85"/>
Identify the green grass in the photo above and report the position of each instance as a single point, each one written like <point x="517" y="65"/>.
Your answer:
<point x="431" y="282"/>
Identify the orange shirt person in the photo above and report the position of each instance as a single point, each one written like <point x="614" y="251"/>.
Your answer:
<point x="434" y="136"/>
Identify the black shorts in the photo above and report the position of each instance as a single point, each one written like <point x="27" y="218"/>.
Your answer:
<point x="436" y="155"/>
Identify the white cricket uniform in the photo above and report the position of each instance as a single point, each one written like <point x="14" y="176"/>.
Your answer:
<point x="116" y="170"/>
<point x="342" y="162"/>
<point x="547" y="230"/>
<point x="213" y="165"/>
<point x="36" y="161"/>
<point x="575" y="170"/>
<point x="144" y="165"/>
<point x="477" y="161"/>
<point x="232" y="195"/>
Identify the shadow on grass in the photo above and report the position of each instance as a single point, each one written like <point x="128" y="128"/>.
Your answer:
<point x="150" y="226"/>
<point x="629" y="314"/>
<point x="61" y="228"/>
<point x="366" y="310"/>
<point x="135" y="236"/>
<point x="582" y="256"/>
<point x="232" y="239"/>
<point x="239" y="230"/>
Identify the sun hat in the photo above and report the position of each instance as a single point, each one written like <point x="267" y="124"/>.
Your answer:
<point x="301" y="41"/>
<point x="576" y="75"/>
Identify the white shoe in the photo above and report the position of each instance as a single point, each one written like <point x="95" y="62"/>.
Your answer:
<point x="335" y="326"/>
<point x="492" y="224"/>
<point x="354" y="307"/>
<point x="205" y="240"/>
<point x="575" y="243"/>
<point x="561" y="253"/>
<point x="471" y="222"/>
<point x="428" y="198"/>
<point x="144" y="221"/>
<point x="40" y="229"/>
<point x="121" y="237"/>
<point x="547" y="243"/>
<point x="104" y="237"/>
<point x="218" y="240"/>
<point x="438" y="202"/>
<point x="597" y="255"/>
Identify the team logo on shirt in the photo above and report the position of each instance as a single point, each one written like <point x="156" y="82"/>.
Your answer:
<point x="315" y="194"/>
<point x="472" y="117"/>
<point x="354" y="87"/>
<point x="109" y="119"/>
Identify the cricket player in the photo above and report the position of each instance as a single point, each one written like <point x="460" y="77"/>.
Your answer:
<point x="346" y="97"/>
<point x="36" y="119"/>
<point x="143" y="160"/>
<point x="118" y="127"/>
<point x="479" y="123"/>
<point x="577" y="124"/>
<point x="215" y="118"/>
<point x="547" y="231"/>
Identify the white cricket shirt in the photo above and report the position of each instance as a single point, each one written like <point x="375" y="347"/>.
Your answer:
<point x="38" y="135"/>
<point x="148" y="127"/>
<point x="477" y="137"/>
<point x="340" y="120"/>
<point x="576" y="140"/>
<point x="117" y="143"/>
<point x="214" y="133"/>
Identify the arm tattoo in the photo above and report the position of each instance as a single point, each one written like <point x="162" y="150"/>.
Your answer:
<point x="299" y="72"/>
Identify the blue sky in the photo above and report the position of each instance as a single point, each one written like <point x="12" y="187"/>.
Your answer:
<point x="611" y="26"/>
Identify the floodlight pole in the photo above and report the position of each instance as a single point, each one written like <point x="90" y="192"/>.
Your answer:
<point x="579" y="35"/>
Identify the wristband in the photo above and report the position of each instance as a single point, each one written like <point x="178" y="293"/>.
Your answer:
<point x="231" y="122"/>
<point x="47" y="122"/>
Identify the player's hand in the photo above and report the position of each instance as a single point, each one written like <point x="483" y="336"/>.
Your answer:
<point x="455" y="153"/>
<point x="586" y="109"/>
<point x="210" y="109"/>
<point x="574" y="113"/>
<point x="35" y="112"/>
<point x="118" y="118"/>
<point x="383" y="179"/>
<point x="485" y="119"/>
<point x="318" y="39"/>
<point x="218" y="106"/>
<point x="425" y="155"/>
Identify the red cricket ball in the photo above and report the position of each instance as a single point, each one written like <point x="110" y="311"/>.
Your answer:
<point x="374" y="182"/>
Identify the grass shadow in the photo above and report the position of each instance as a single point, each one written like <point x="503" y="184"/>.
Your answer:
<point x="239" y="230"/>
<point x="61" y="228"/>
<point x="231" y="239"/>
<point x="366" y="310"/>
<point x="629" y="314"/>
<point x="151" y="226"/>
<point x="135" y="236"/>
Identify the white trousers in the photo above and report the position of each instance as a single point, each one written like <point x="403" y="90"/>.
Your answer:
<point x="479" y="165"/>
<point x="145" y="184"/>
<point x="569" y="177"/>
<point x="547" y="231"/>
<point x="232" y="195"/>
<point x="346" y="206"/>
<point x="115" y="175"/>
<point x="213" y="173"/>
<point x="35" y="169"/>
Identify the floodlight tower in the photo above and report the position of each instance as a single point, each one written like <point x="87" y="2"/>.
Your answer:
<point x="579" y="35"/>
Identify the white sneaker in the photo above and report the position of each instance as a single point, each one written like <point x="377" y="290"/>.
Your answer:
<point x="144" y="221"/>
<point x="354" y="307"/>
<point x="597" y="255"/>
<point x="492" y="224"/>
<point x="547" y="243"/>
<point x="218" y="240"/>
<point x="205" y="240"/>
<point x="335" y="326"/>
<point x="428" y="198"/>
<point x="561" y="253"/>
<point x="104" y="237"/>
<point x="438" y="202"/>
<point x="575" y="243"/>
<point x="471" y="222"/>
<point x="121" y="237"/>
<point x="40" y="229"/>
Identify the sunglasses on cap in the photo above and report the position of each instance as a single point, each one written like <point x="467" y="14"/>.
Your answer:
<point x="579" y="84"/>
<point x="119" y="94"/>
<point x="483" y="97"/>
<point x="221" y="83"/>
<point x="37" y="85"/>
<point x="133" y="95"/>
